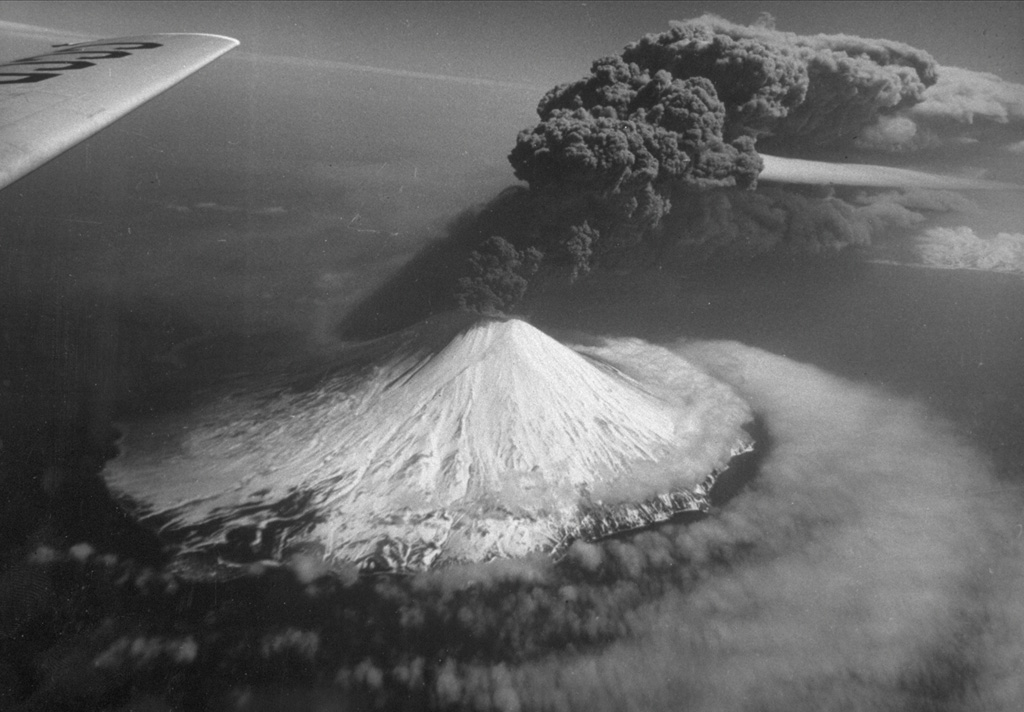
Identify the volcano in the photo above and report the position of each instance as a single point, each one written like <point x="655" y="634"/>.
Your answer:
<point x="456" y="440"/>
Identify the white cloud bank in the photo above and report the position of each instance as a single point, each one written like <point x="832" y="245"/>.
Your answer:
<point x="862" y="570"/>
<point x="962" y="248"/>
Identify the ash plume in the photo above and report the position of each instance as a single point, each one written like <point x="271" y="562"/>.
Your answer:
<point x="672" y="128"/>
<point x="793" y="92"/>
<point x="962" y="109"/>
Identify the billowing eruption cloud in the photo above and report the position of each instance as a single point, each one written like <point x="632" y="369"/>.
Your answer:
<point x="789" y="90"/>
<point x="655" y="156"/>
<point x="962" y="109"/>
<point x="801" y="94"/>
<point x="622" y="130"/>
<point x="708" y="88"/>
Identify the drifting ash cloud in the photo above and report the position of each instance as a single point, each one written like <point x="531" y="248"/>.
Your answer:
<point x="800" y="94"/>
<point x="673" y="127"/>
<point x="962" y="108"/>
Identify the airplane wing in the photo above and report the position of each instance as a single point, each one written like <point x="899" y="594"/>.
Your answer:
<point x="51" y="101"/>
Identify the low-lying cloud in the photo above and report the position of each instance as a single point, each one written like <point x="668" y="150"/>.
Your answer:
<point x="872" y="563"/>
<point x="864" y="568"/>
<point x="962" y="248"/>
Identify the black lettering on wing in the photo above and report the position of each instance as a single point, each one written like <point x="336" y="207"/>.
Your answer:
<point x="118" y="46"/>
<point x="25" y="77"/>
<point x="89" y="54"/>
<point x="68" y="64"/>
<point x="60" y="61"/>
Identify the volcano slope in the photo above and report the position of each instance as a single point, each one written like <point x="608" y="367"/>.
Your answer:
<point x="459" y="440"/>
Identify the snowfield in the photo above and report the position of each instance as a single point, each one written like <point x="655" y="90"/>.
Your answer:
<point x="456" y="440"/>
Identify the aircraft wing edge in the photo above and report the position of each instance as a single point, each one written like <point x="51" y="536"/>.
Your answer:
<point x="52" y="101"/>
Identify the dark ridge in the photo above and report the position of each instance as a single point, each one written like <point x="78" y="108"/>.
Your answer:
<point x="744" y="467"/>
<point x="725" y="485"/>
<point x="53" y="493"/>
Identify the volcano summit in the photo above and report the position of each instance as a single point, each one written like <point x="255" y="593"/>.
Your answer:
<point x="455" y="440"/>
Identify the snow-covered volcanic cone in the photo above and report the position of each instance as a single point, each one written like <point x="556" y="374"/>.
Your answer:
<point x="456" y="440"/>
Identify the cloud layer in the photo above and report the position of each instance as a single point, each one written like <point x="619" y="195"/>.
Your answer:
<point x="860" y="571"/>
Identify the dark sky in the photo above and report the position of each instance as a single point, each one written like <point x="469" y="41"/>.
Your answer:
<point x="531" y="42"/>
<point x="339" y="136"/>
<point x="317" y="89"/>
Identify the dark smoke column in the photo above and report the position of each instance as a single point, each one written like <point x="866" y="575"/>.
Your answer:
<point x="678" y="117"/>
<point x="797" y="94"/>
<point x="610" y="146"/>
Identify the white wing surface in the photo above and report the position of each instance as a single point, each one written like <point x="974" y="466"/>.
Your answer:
<point x="51" y="101"/>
